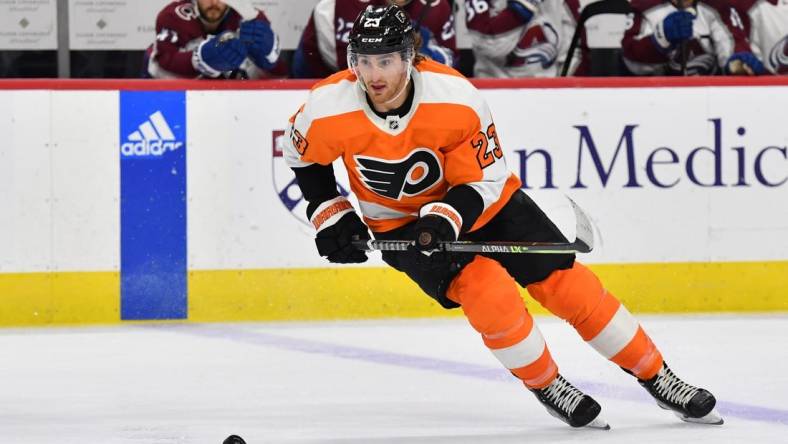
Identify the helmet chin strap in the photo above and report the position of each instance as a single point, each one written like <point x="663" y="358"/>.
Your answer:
<point x="404" y="86"/>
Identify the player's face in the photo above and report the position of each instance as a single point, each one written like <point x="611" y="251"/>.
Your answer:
<point x="384" y="75"/>
<point x="211" y="10"/>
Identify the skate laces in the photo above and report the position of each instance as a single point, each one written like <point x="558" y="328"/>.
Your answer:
<point x="563" y="394"/>
<point x="672" y="388"/>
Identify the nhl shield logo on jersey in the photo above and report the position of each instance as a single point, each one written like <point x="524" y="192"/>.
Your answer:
<point x="285" y="183"/>
<point x="417" y="172"/>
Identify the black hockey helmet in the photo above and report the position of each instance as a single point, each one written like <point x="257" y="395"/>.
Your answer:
<point x="380" y="30"/>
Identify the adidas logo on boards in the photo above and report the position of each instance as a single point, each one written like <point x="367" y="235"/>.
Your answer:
<point x="153" y="138"/>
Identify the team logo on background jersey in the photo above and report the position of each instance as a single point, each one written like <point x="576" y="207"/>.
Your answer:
<point x="419" y="171"/>
<point x="285" y="182"/>
<point x="186" y="11"/>
<point x="778" y="56"/>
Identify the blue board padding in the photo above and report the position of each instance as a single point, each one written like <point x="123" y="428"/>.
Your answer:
<point x="153" y="205"/>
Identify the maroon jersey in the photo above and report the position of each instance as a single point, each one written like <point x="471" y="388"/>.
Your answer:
<point x="323" y="46"/>
<point x="764" y="27"/>
<point x="179" y="31"/>
<point x="502" y="42"/>
<point x="647" y="52"/>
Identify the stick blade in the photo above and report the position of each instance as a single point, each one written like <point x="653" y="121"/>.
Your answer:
<point x="584" y="229"/>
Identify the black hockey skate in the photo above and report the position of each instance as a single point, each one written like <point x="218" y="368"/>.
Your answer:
<point x="570" y="405"/>
<point x="690" y="403"/>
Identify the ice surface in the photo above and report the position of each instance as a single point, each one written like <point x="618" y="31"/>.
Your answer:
<point x="399" y="381"/>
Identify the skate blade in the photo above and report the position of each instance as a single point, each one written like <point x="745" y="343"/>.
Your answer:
<point x="713" y="418"/>
<point x="598" y="423"/>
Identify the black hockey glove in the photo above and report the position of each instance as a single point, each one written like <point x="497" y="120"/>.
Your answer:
<point x="337" y="224"/>
<point x="438" y="222"/>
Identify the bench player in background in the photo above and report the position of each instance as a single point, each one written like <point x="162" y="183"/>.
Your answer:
<point x="522" y="38"/>
<point x="322" y="49"/>
<point x="209" y="39"/>
<point x="764" y="26"/>
<point x="664" y="31"/>
<point x="423" y="157"/>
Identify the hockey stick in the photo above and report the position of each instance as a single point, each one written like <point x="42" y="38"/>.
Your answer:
<point x="683" y="56"/>
<point x="683" y="51"/>
<point x="583" y="243"/>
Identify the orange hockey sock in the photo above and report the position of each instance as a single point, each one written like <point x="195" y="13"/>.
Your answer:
<point x="577" y="296"/>
<point x="490" y="300"/>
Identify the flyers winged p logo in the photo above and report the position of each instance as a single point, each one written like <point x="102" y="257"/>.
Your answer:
<point x="417" y="172"/>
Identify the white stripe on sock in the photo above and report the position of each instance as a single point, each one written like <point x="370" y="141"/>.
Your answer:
<point x="524" y="352"/>
<point x="616" y="334"/>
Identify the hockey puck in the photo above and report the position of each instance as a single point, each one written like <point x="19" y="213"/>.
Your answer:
<point x="234" y="439"/>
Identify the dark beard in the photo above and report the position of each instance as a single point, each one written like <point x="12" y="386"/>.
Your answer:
<point x="204" y="16"/>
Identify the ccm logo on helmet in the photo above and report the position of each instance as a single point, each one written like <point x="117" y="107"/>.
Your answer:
<point x="419" y="171"/>
<point x="371" y="39"/>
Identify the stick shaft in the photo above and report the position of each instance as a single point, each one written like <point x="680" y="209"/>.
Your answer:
<point x="583" y="243"/>
<point x="577" y="246"/>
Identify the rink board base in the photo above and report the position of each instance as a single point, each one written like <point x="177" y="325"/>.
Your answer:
<point x="364" y="293"/>
<point x="59" y="298"/>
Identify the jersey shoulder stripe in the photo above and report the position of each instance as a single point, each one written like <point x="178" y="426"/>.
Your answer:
<point x="450" y="92"/>
<point x="429" y="65"/>
<point x="334" y="95"/>
<point x="339" y="76"/>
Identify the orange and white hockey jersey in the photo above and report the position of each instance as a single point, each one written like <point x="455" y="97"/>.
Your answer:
<point x="398" y="164"/>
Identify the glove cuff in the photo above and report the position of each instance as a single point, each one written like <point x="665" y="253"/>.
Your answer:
<point x="445" y="211"/>
<point x="439" y="54"/>
<point x="660" y="38"/>
<point x="329" y="212"/>
<point x="273" y="56"/>
<point x="738" y="61"/>
<point x="526" y="9"/>
<point x="200" y="65"/>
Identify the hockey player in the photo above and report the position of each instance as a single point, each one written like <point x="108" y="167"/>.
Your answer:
<point x="675" y="37"/>
<point x="208" y="39"/>
<point x="322" y="49"/>
<point x="522" y="38"/>
<point x="424" y="159"/>
<point x="764" y="25"/>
